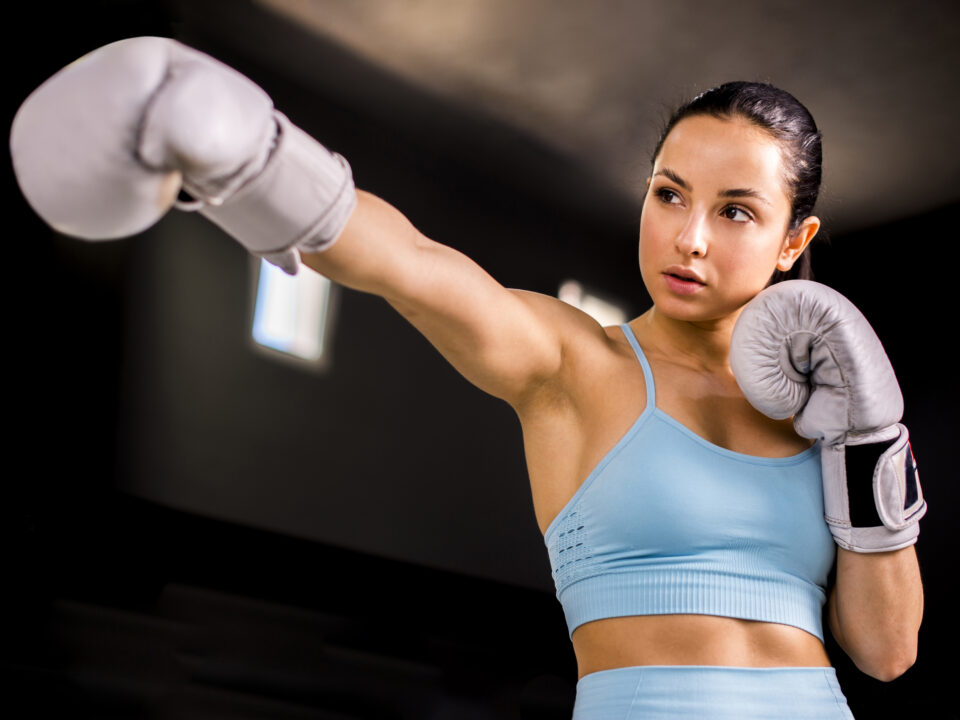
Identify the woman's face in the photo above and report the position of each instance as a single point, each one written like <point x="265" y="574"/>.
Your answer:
<point x="715" y="216"/>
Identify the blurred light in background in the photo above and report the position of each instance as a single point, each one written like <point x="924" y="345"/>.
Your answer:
<point x="603" y="311"/>
<point x="292" y="313"/>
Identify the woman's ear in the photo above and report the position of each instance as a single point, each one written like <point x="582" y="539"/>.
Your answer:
<point x="796" y="242"/>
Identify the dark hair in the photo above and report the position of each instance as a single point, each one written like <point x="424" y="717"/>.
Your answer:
<point x="786" y="119"/>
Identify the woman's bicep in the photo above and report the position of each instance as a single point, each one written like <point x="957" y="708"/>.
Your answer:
<point x="500" y="340"/>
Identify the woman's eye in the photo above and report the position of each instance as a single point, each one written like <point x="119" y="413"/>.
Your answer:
<point x="667" y="196"/>
<point x="737" y="214"/>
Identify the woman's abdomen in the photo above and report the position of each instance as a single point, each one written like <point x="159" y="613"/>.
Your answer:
<point x="693" y="640"/>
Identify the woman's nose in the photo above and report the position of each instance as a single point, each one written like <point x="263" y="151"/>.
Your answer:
<point x="692" y="238"/>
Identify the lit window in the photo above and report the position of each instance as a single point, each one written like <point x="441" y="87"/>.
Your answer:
<point x="603" y="311"/>
<point x="292" y="313"/>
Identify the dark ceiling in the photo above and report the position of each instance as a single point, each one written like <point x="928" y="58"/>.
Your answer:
<point x="594" y="79"/>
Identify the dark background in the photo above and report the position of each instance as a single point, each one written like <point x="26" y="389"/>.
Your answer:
<point x="198" y="531"/>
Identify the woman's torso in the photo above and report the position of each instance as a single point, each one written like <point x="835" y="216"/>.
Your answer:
<point x="567" y="434"/>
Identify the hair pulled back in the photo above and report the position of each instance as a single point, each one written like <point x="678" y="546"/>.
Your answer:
<point x="790" y="123"/>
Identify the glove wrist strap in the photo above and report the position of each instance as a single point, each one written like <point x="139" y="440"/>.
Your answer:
<point x="301" y="199"/>
<point x="880" y="515"/>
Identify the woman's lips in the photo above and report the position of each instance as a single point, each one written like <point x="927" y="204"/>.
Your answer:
<point x="683" y="281"/>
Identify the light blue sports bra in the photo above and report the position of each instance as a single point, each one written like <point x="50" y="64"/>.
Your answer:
<point x="668" y="522"/>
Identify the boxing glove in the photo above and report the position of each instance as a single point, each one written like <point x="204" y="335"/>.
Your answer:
<point x="800" y="349"/>
<point x="103" y="149"/>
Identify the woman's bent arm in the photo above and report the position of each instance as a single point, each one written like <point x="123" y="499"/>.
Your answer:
<point x="500" y="340"/>
<point x="875" y="610"/>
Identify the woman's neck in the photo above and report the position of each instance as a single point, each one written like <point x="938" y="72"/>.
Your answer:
<point x="704" y="345"/>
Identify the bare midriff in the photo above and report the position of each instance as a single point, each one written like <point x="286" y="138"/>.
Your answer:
<point x="693" y="640"/>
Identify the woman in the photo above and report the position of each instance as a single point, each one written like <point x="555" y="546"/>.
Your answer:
<point x="685" y="527"/>
<point x="578" y="389"/>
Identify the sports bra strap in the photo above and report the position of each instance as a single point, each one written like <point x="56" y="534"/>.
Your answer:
<point x="647" y="372"/>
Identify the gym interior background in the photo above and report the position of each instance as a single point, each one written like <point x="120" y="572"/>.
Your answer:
<point x="200" y="530"/>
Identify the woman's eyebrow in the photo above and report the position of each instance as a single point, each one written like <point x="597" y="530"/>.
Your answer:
<point x="744" y="192"/>
<point x="673" y="176"/>
<point x="731" y="193"/>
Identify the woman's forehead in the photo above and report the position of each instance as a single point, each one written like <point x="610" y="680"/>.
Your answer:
<point x="712" y="152"/>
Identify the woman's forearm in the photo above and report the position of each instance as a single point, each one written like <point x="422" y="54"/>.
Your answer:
<point x="876" y="608"/>
<point x="375" y="250"/>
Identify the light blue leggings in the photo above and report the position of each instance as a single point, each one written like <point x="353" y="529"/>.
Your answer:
<point x="695" y="692"/>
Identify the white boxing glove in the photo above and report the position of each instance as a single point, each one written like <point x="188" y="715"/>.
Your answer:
<point x="800" y="349"/>
<point x="102" y="149"/>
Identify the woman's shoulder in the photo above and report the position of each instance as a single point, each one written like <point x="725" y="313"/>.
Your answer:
<point x="592" y="354"/>
<point x="580" y="334"/>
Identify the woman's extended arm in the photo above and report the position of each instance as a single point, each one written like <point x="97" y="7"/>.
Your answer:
<point x="875" y="609"/>
<point x="503" y="341"/>
<point x="104" y="147"/>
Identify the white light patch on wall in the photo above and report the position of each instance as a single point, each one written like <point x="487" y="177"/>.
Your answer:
<point x="292" y="312"/>
<point x="603" y="311"/>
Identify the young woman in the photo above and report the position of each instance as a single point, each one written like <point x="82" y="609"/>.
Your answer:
<point x="685" y="528"/>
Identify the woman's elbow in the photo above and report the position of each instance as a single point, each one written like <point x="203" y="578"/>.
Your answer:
<point x="891" y="664"/>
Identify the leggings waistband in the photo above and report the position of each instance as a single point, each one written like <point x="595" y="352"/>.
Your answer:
<point x="681" y="692"/>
